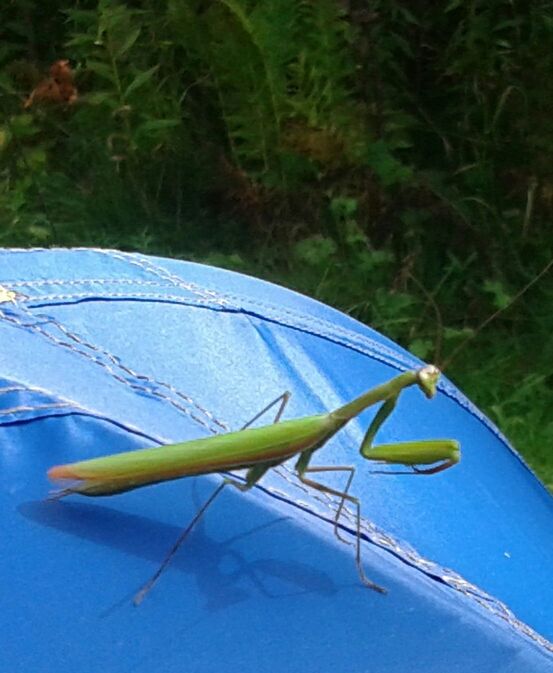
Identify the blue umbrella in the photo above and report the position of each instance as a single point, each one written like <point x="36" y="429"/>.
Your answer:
<point x="102" y="351"/>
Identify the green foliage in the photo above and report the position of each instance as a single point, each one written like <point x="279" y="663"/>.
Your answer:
<point x="391" y="158"/>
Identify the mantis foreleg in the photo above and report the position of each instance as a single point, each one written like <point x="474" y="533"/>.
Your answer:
<point x="407" y="453"/>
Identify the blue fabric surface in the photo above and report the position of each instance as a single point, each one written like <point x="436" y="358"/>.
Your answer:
<point x="103" y="351"/>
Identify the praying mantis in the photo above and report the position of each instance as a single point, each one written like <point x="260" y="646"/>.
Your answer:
<point x="261" y="448"/>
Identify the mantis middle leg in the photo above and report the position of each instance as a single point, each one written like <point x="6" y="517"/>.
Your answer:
<point x="344" y="495"/>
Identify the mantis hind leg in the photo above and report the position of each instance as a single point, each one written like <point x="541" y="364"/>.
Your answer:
<point x="252" y="477"/>
<point x="344" y="495"/>
<point x="336" y="468"/>
<point x="140" y="595"/>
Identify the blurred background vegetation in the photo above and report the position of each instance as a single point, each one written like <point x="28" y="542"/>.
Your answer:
<point x="391" y="158"/>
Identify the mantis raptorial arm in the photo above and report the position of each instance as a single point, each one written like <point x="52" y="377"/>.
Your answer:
<point x="444" y="452"/>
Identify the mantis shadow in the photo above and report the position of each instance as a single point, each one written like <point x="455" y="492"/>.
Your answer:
<point x="217" y="567"/>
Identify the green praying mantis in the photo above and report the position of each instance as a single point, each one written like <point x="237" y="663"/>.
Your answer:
<point x="261" y="448"/>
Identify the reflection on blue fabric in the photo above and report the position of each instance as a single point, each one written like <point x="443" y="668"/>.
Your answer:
<point x="103" y="352"/>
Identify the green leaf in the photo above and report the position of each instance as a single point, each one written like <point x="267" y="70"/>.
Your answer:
<point x="455" y="334"/>
<point x="389" y="169"/>
<point x="23" y="126"/>
<point x="343" y="207"/>
<point x="80" y="40"/>
<point x="128" y="43"/>
<point x="153" y="127"/>
<point x="101" y="69"/>
<point x="408" y="16"/>
<point x="157" y="125"/>
<point x="38" y="232"/>
<point x="100" y="98"/>
<point x="6" y="84"/>
<point x="422" y="348"/>
<point x="4" y="137"/>
<point x="501" y="297"/>
<point x="315" y="250"/>
<point x="33" y="159"/>
<point x="140" y="80"/>
<point x="453" y="5"/>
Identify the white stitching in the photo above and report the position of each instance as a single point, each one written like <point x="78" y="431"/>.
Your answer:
<point x="38" y="407"/>
<point x="33" y="326"/>
<point x="360" y="343"/>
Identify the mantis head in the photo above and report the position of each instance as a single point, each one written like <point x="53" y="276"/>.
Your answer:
<point x="428" y="377"/>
